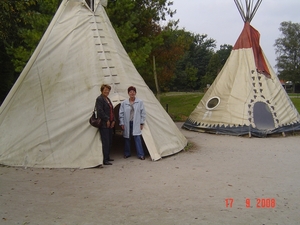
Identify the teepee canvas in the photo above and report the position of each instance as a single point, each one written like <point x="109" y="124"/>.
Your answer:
<point x="246" y="96"/>
<point x="44" y="118"/>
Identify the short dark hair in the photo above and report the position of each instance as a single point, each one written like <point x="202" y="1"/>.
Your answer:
<point x="131" y="88"/>
<point x="105" y="86"/>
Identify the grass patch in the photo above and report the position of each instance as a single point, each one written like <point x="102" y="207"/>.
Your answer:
<point x="294" y="95"/>
<point x="189" y="146"/>
<point x="180" y="104"/>
<point x="296" y="102"/>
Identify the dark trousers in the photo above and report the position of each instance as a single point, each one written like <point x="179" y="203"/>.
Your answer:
<point x="106" y="138"/>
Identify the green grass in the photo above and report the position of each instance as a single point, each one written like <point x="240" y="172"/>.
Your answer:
<point x="181" y="104"/>
<point x="296" y="102"/>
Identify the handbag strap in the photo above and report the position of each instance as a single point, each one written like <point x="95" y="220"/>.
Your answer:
<point x="95" y="112"/>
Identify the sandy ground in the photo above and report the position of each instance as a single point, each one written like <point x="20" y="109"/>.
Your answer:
<point x="220" y="180"/>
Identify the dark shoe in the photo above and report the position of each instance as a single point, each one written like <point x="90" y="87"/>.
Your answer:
<point x="107" y="163"/>
<point x="142" y="158"/>
<point x="111" y="160"/>
<point x="126" y="156"/>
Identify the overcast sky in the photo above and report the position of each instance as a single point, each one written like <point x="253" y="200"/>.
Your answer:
<point x="221" y="21"/>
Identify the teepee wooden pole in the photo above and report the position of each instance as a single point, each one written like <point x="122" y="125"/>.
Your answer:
<point x="155" y="79"/>
<point x="248" y="9"/>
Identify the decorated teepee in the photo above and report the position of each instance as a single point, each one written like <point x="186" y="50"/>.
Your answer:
<point x="246" y="96"/>
<point x="44" y="118"/>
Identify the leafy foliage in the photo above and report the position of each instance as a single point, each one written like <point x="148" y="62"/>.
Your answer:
<point x="6" y="74"/>
<point x="224" y="53"/>
<point x="216" y="63"/>
<point x="22" y="24"/>
<point x="175" y="43"/>
<point x="138" y="30"/>
<point x="192" y="66"/>
<point x="13" y="17"/>
<point x="37" y="19"/>
<point x="144" y="38"/>
<point x="288" y="51"/>
<point x="213" y="69"/>
<point x="181" y="57"/>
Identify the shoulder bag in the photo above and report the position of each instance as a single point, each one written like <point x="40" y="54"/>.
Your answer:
<point x="94" y="120"/>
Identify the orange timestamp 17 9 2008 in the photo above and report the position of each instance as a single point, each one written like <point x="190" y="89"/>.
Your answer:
<point x="259" y="202"/>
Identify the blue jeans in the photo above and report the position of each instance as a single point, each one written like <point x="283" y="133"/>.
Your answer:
<point x="137" y="141"/>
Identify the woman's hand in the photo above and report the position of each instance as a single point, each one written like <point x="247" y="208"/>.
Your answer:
<point x="112" y="124"/>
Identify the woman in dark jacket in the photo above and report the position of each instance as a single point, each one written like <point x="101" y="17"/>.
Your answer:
<point x="106" y="112"/>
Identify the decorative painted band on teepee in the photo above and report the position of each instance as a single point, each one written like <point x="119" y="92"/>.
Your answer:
<point x="249" y="38"/>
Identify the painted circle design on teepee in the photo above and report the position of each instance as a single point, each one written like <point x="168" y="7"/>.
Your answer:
<point x="213" y="103"/>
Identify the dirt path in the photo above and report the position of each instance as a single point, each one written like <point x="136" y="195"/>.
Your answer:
<point x="259" y="179"/>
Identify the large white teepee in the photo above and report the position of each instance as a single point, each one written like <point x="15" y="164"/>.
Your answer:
<point x="246" y="96"/>
<point x="44" y="119"/>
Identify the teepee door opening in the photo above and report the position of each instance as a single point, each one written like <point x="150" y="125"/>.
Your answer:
<point x="118" y="139"/>
<point x="263" y="118"/>
<point x="118" y="129"/>
<point x="90" y="4"/>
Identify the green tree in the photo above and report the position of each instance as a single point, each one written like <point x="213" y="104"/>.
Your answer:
<point x="224" y="53"/>
<point x="137" y="24"/>
<point x="167" y="54"/>
<point x="213" y="68"/>
<point x="38" y="18"/>
<point x="215" y="64"/>
<point x="6" y="74"/>
<point x="22" y="24"/>
<point x="195" y="59"/>
<point x="13" y="16"/>
<point x="191" y="74"/>
<point x="203" y="50"/>
<point x="288" y="52"/>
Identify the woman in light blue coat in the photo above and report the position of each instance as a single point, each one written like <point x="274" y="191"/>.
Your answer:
<point x="132" y="117"/>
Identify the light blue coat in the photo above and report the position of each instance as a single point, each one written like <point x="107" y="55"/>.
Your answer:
<point x="138" y="117"/>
